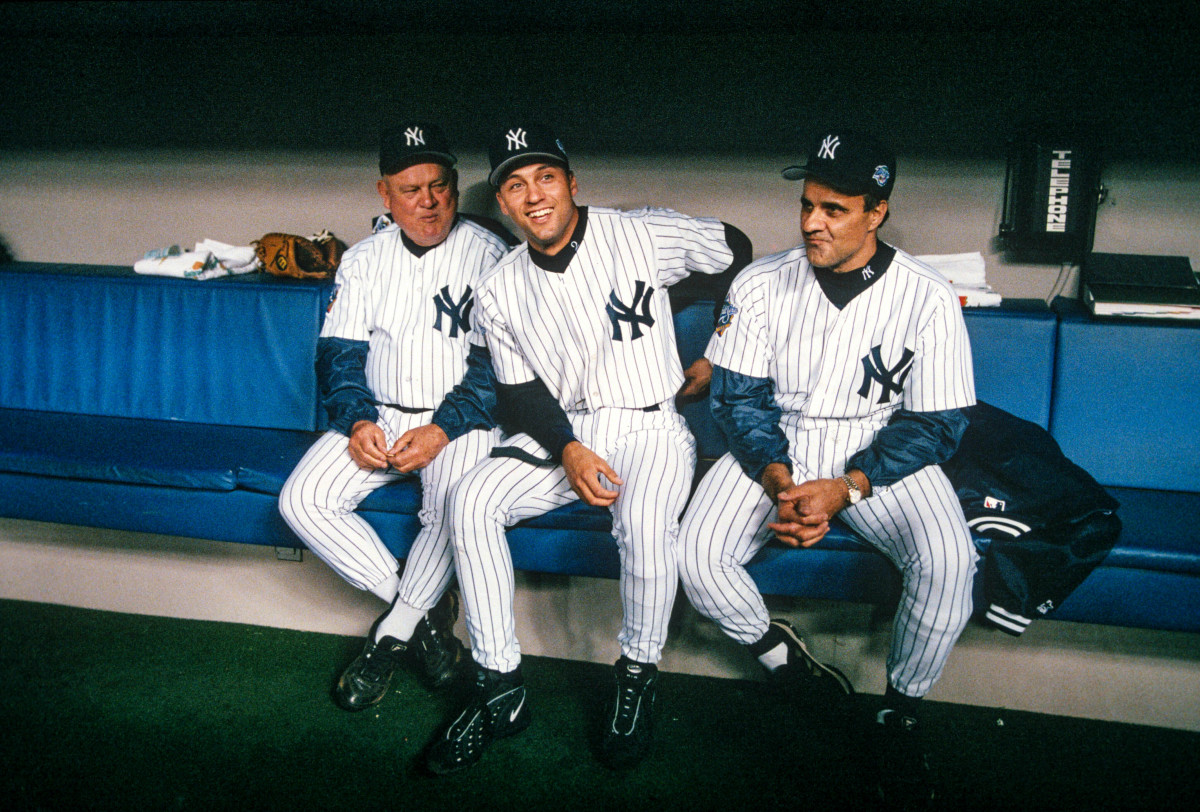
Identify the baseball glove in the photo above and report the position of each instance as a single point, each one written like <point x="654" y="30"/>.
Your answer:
<point x="314" y="257"/>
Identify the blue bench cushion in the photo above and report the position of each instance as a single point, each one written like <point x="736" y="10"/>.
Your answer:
<point x="103" y="340"/>
<point x="1013" y="352"/>
<point x="237" y="516"/>
<point x="120" y="449"/>
<point x="1127" y="402"/>
<point x="693" y="328"/>
<point x="1161" y="531"/>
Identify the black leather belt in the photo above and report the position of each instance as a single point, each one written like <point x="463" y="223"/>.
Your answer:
<point x="522" y="455"/>
<point x="405" y="409"/>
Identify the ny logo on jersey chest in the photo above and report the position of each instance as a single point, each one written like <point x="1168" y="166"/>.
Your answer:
<point x="891" y="379"/>
<point x="618" y="312"/>
<point x="458" y="313"/>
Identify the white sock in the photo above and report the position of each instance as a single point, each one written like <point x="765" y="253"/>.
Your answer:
<point x="400" y="622"/>
<point x="386" y="591"/>
<point x="775" y="657"/>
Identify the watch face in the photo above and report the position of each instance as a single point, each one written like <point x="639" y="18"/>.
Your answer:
<point x="853" y="492"/>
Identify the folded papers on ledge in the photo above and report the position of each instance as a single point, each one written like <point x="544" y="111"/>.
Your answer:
<point x="967" y="273"/>
<point x="208" y="260"/>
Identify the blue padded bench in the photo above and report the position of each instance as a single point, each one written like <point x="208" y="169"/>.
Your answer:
<point x="1127" y="409"/>
<point x="180" y="407"/>
<point x="135" y="402"/>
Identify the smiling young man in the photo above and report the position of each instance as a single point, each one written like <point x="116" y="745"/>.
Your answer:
<point x="405" y="392"/>
<point x="840" y="369"/>
<point x="580" y="331"/>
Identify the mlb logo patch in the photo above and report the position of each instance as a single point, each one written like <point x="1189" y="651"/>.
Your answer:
<point x="728" y="311"/>
<point x="992" y="503"/>
<point x="332" y="297"/>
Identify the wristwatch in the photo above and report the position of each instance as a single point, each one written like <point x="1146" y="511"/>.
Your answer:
<point x="855" y="495"/>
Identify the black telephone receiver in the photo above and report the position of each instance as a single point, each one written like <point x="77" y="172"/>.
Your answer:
<point x="1051" y="192"/>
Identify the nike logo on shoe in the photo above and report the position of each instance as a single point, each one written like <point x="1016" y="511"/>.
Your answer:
<point x="512" y="717"/>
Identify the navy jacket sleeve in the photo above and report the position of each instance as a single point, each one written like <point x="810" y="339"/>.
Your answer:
<point x="472" y="403"/>
<point x="744" y="407"/>
<point x="342" y="379"/>
<point x="532" y="409"/>
<point x="909" y="442"/>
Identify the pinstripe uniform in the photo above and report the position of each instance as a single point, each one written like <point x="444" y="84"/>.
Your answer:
<point x="600" y="336"/>
<point x="414" y="309"/>
<point x="838" y="376"/>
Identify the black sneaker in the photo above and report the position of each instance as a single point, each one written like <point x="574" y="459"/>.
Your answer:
<point x="366" y="680"/>
<point x="803" y="674"/>
<point x="628" y="723"/>
<point x="904" y="779"/>
<point x="495" y="710"/>
<point x="434" y="651"/>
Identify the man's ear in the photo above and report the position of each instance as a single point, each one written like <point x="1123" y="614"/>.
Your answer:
<point x="878" y="213"/>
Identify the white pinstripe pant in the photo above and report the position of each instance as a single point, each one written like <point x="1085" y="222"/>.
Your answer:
<point x="653" y="453"/>
<point x="917" y="523"/>
<point x="319" y="500"/>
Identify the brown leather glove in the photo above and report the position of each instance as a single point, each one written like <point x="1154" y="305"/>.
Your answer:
<point x="315" y="257"/>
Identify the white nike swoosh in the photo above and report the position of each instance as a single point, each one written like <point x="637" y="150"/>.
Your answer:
<point x="512" y="717"/>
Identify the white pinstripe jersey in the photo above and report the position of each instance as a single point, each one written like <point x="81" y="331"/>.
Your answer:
<point x="900" y="343"/>
<point x="414" y="311"/>
<point x="600" y="333"/>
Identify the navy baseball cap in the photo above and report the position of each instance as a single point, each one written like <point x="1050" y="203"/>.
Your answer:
<point x="850" y="162"/>
<point x="521" y="145"/>
<point x="416" y="142"/>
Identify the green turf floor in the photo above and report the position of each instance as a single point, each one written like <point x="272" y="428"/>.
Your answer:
<point x="100" y="710"/>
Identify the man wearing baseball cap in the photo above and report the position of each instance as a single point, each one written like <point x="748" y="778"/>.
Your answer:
<point x="409" y="394"/>
<point x="579" y="325"/>
<point x="840" y="369"/>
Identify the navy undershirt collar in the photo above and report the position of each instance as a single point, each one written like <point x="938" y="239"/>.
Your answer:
<point x="840" y="288"/>
<point x="557" y="263"/>
<point x="419" y="251"/>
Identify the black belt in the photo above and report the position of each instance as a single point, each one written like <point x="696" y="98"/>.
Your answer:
<point x="541" y="462"/>
<point x="405" y="409"/>
<point x="522" y="455"/>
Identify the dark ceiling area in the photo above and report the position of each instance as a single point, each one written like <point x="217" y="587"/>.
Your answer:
<point x="740" y="77"/>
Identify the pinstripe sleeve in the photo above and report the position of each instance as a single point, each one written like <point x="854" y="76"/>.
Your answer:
<point x="740" y="342"/>
<point x="687" y="245"/>
<point x="507" y="360"/>
<point x="942" y="375"/>
<point x="349" y="314"/>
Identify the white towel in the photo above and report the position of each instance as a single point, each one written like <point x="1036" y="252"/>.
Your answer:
<point x="235" y="258"/>
<point x="959" y="269"/>
<point x="209" y="260"/>
<point x="968" y="274"/>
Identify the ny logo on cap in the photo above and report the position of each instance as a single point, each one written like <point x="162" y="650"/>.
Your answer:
<point x="413" y="137"/>
<point x="516" y="139"/>
<point x="829" y="147"/>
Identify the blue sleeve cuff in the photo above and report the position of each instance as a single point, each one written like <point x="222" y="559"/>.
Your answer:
<point x="342" y="380"/>
<point x="909" y="442"/>
<point x="471" y="404"/>
<point x="744" y="407"/>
